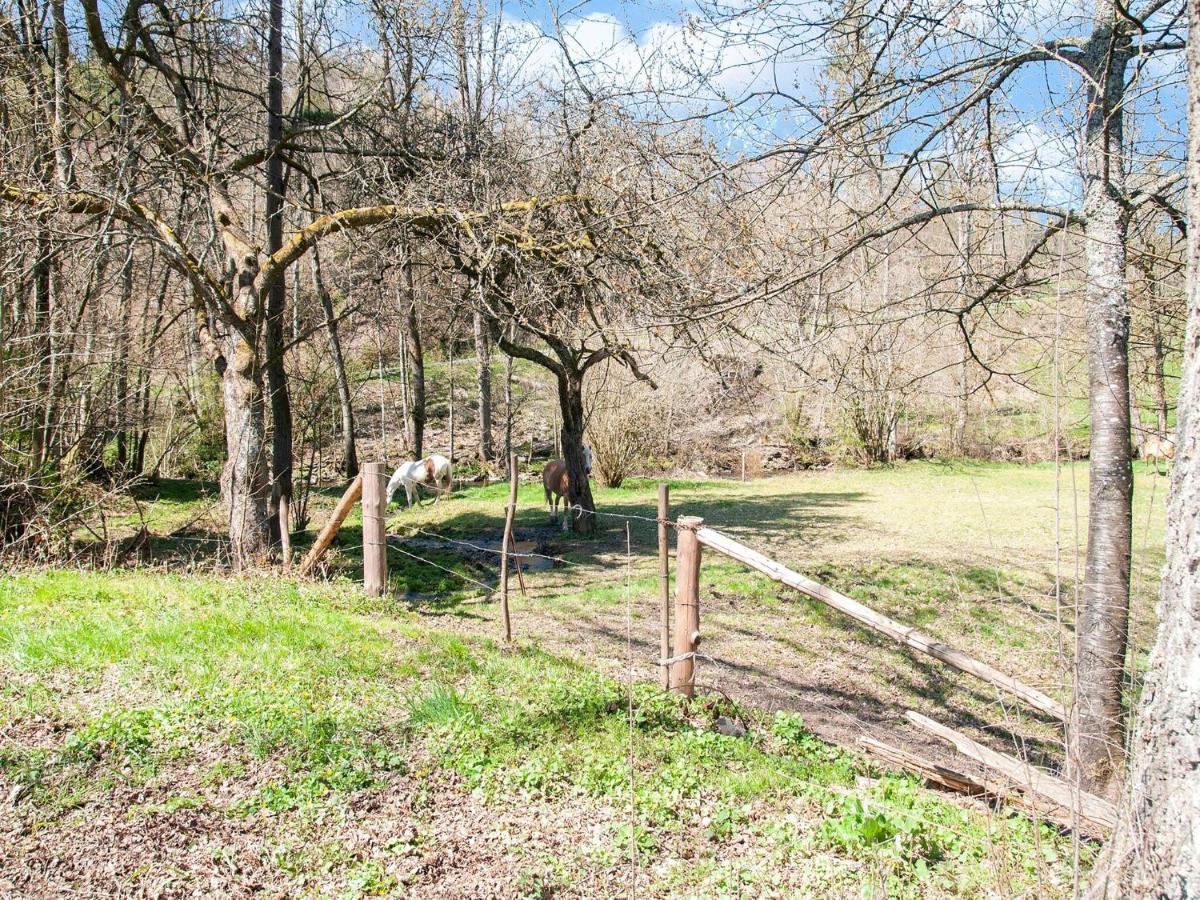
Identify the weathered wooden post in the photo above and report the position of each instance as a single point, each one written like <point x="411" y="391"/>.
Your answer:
<point x="664" y="581"/>
<point x="743" y="465"/>
<point x="687" y="605"/>
<point x="508" y="540"/>
<point x="374" y="512"/>
<point x="329" y="532"/>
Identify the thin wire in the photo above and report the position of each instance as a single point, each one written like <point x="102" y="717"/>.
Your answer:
<point x="427" y="562"/>
<point x="580" y="511"/>
<point x="495" y="550"/>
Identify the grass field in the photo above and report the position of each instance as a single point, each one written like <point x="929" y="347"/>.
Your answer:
<point x="169" y="733"/>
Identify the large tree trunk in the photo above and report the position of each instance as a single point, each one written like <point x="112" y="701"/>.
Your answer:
<point x="245" y="484"/>
<point x="416" y="369"/>
<point x="581" y="506"/>
<point x="1155" y="849"/>
<point x="345" y="401"/>
<point x="1097" y="735"/>
<point x="484" y="387"/>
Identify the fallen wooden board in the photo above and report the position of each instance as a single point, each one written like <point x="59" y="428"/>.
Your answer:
<point x="1025" y="776"/>
<point x="329" y="532"/>
<point x="905" y="634"/>
<point x="1005" y="792"/>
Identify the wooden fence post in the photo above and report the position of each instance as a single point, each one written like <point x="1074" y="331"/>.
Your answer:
<point x="374" y="512"/>
<point x="508" y="540"/>
<point x="687" y="605"/>
<point x="664" y="581"/>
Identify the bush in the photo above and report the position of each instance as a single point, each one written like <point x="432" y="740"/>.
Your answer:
<point x="622" y="428"/>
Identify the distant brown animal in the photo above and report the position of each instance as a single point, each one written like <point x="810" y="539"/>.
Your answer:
<point x="1158" y="447"/>
<point x="555" y="481"/>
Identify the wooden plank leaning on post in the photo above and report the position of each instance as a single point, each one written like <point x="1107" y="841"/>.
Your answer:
<point x="506" y="544"/>
<point x="374" y="513"/>
<point x="664" y="581"/>
<point x="687" y="605"/>
<point x="329" y="532"/>
<point x="897" y="631"/>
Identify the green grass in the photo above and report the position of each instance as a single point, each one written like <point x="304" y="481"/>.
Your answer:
<point x="314" y="698"/>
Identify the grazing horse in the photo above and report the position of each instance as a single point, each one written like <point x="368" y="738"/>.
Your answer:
<point x="555" y="481"/>
<point x="432" y="470"/>
<point x="1158" y="447"/>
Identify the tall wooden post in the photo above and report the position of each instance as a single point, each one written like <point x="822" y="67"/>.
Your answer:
<point x="743" y="465"/>
<point x="374" y="512"/>
<point x="508" y="540"/>
<point x="687" y="604"/>
<point x="664" y="580"/>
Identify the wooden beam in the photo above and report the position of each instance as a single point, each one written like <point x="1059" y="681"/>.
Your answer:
<point x="329" y="532"/>
<point x="951" y="779"/>
<point x="1025" y="776"/>
<point x="908" y="635"/>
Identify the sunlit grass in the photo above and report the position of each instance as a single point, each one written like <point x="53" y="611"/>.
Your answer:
<point x="339" y="694"/>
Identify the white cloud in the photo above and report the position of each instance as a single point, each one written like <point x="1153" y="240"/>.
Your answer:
<point x="1040" y="165"/>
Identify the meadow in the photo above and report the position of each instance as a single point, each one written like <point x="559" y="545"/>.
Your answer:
<point x="166" y="730"/>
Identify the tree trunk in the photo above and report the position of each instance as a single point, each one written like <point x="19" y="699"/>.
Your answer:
<point x="121" y="401"/>
<point x="1155" y="849"/>
<point x="245" y="484"/>
<point x="43" y="348"/>
<point x="405" y="419"/>
<point x="281" y="406"/>
<point x="450" y="403"/>
<point x="966" y="287"/>
<point x="1160" y="367"/>
<point x="579" y="490"/>
<point x="416" y="368"/>
<point x="484" y="388"/>
<point x="508" y="408"/>
<point x="1097" y="736"/>
<point x="345" y="403"/>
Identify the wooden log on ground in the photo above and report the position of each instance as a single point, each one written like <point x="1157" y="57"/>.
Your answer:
<point x="951" y="779"/>
<point x="1031" y="779"/>
<point x="930" y="771"/>
<point x="329" y="532"/>
<point x="908" y="635"/>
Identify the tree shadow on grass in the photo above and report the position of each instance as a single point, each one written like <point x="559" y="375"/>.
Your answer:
<point x="793" y="514"/>
<point x="842" y="711"/>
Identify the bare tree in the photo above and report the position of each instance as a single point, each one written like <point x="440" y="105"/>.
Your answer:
<point x="1155" y="850"/>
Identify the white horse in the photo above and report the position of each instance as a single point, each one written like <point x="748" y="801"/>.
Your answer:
<point x="432" y="470"/>
<point x="555" y="481"/>
<point x="1158" y="447"/>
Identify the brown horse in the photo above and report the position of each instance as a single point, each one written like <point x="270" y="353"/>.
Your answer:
<point x="555" y="481"/>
